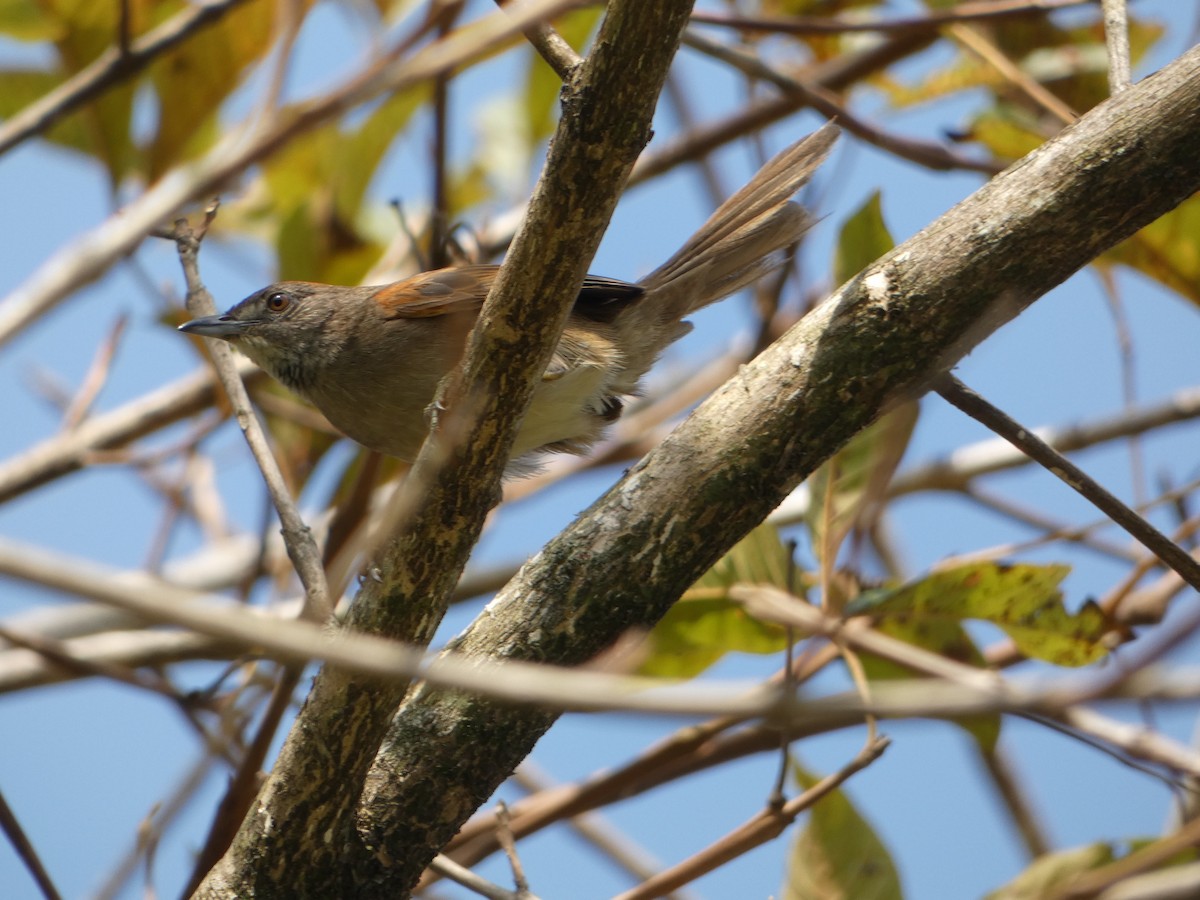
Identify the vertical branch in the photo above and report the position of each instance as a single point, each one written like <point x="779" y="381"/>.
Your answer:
<point x="297" y="536"/>
<point x="1116" y="40"/>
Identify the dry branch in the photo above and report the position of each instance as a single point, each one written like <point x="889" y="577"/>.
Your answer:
<point x="881" y="338"/>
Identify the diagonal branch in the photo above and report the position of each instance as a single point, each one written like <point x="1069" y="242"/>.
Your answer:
<point x="91" y="254"/>
<point x="111" y="67"/>
<point x="883" y="337"/>
<point x="306" y="811"/>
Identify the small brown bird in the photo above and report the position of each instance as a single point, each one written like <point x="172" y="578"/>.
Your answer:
<point x="370" y="358"/>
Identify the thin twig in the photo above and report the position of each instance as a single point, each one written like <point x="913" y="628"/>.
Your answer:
<point x="592" y="827"/>
<point x="1116" y="39"/>
<point x="25" y="851"/>
<point x="1013" y="797"/>
<point x="59" y="654"/>
<point x="962" y="466"/>
<point x="111" y="67"/>
<point x="971" y="38"/>
<point x="165" y="813"/>
<point x="96" y="377"/>
<point x="243" y="787"/>
<point x="297" y="536"/>
<point x="931" y="21"/>
<point x="448" y="868"/>
<point x="504" y="835"/>
<point x="552" y="47"/>
<point x="959" y="395"/>
<point x="764" y="827"/>
<point x="440" y="215"/>
<point x="926" y="153"/>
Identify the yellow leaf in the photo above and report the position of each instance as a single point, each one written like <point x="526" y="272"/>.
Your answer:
<point x="1022" y="599"/>
<point x="705" y="625"/>
<point x="1167" y="250"/>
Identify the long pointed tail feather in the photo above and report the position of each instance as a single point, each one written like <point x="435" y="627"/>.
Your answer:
<point x="748" y="227"/>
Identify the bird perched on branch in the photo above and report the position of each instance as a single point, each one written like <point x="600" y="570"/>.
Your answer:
<point x="371" y="358"/>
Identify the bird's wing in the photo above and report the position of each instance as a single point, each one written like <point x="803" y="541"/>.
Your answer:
<point x="443" y="292"/>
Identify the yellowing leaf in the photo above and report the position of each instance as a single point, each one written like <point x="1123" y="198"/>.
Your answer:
<point x="24" y="20"/>
<point x="705" y="625"/>
<point x="1167" y="250"/>
<point x="314" y="188"/>
<point x="1022" y="599"/>
<point x="194" y="79"/>
<point x="838" y="856"/>
<point x="20" y="87"/>
<point x="1010" y="132"/>
<point x="1054" y="870"/>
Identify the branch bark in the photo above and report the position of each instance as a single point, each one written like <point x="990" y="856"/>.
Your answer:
<point x="299" y="838"/>
<point x="880" y="338"/>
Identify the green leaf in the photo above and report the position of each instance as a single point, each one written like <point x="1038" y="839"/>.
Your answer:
<point x="838" y="856"/>
<point x="705" y="625"/>
<point x="24" y="20"/>
<point x="1053" y="870"/>
<point x="1022" y="599"/>
<point x="863" y="239"/>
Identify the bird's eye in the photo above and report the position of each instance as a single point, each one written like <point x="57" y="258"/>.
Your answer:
<point x="278" y="301"/>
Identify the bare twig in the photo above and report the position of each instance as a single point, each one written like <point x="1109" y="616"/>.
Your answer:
<point x="70" y="451"/>
<point x="1014" y="799"/>
<point x="59" y="654"/>
<point x="448" y="868"/>
<point x="974" y="40"/>
<point x="504" y="835"/>
<point x="959" y="395"/>
<point x="244" y="784"/>
<point x="593" y="827"/>
<point x="965" y="464"/>
<point x="931" y="21"/>
<point x="1116" y="39"/>
<point x="925" y="153"/>
<point x="25" y="851"/>
<point x="297" y="536"/>
<point x="765" y="826"/>
<point x="552" y="47"/>
<point x="96" y="376"/>
<point x="114" y="65"/>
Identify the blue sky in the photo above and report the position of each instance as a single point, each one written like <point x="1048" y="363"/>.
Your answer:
<point x="82" y="764"/>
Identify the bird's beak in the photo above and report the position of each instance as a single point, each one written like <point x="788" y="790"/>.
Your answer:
<point x="215" y="327"/>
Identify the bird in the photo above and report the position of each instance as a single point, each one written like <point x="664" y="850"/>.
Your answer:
<point x="371" y="357"/>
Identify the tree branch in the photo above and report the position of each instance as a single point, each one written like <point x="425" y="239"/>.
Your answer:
<point x="883" y="337"/>
<point x="306" y="811"/>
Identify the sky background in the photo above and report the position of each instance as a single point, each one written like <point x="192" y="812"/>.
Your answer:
<point x="82" y="764"/>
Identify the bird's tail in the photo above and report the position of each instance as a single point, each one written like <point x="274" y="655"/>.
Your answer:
<point x="744" y="238"/>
